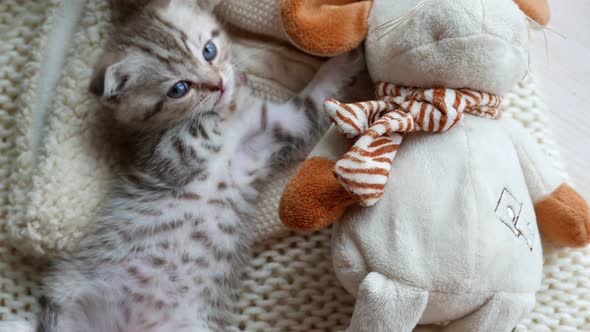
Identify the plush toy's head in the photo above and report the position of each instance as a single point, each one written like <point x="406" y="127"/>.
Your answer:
<point x="480" y="45"/>
<point x="475" y="44"/>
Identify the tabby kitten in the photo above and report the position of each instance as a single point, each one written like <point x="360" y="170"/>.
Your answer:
<point x="164" y="253"/>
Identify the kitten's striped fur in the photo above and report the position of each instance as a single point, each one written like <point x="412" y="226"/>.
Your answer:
<point x="164" y="253"/>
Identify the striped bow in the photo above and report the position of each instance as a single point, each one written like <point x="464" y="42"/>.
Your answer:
<point x="379" y="126"/>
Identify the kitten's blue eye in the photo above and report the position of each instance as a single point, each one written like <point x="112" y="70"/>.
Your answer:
<point x="180" y="89"/>
<point x="210" y="51"/>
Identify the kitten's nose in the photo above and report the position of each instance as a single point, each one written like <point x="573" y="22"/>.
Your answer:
<point x="215" y="84"/>
<point x="216" y="87"/>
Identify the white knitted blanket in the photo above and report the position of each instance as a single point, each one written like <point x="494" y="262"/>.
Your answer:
<point x="46" y="196"/>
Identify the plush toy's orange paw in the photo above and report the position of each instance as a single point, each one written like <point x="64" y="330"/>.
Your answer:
<point x="313" y="199"/>
<point x="564" y="217"/>
<point x="326" y="27"/>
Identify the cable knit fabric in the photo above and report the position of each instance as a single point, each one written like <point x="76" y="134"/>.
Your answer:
<point x="288" y="284"/>
<point x="23" y="25"/>
<point x="260" y="17"/>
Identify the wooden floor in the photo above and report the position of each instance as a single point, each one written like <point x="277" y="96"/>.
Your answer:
<point x="565" y="75"/>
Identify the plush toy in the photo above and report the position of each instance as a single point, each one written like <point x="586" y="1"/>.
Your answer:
<point x="439" y="200"/>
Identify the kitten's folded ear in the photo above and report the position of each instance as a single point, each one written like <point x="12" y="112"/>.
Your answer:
<point x="208" y="4"/>
<point x="204" y="4"/>
<point x="109" y="78"/>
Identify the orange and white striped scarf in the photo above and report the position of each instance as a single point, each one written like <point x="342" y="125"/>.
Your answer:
<point x="379" y="126"/>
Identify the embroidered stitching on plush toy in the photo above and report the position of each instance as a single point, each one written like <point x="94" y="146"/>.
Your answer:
<point x="506" y="213"/>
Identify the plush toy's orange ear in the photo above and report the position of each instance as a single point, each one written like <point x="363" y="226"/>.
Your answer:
<point x="326" y="27"/>
<point x="537" y="10"/>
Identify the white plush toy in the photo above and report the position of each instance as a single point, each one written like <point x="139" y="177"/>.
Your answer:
<point x="453" y="196"/>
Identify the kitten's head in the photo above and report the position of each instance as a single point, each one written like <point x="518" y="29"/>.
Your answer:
<point x="166" y="61"/>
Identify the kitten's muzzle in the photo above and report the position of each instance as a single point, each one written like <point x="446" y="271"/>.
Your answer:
<point x="213" y="85"/>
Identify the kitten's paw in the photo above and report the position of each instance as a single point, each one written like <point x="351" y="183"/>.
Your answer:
<point x="16" y="327"/>
<point x="333" y="76"/>
<point x="343" y="68"/>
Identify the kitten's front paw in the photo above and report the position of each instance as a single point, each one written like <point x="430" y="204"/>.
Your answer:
<point x="16" y="327"/>
<point x="335" y="74"/>
<point x="344" y="67"/>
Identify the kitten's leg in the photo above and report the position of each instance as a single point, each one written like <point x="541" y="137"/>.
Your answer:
<point x="329" y="82"/>
<point x="297" y="118"/>
<point x="48" y="317"/>
<point x="16" y="326"/>
<point x="68" y="318"/>
<point x="74" y="303"/>
<point x="285" y="129"/>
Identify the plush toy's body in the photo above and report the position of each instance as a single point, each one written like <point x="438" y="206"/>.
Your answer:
<point x="456" y="235"/>
<point x="442" y="242"/>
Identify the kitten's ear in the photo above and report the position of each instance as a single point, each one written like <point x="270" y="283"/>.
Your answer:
<point x="109" y="78"/>
<point x="208" y="4"/>
<point x="202" y="4"/>
<point x="161" y="3"/>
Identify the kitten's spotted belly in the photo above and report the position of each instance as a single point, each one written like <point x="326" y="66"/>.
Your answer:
<point x="182" y="258"/>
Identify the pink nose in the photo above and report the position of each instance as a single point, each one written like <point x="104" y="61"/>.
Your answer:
<point x="213" y="83"/>
<point x="214" y="86"/>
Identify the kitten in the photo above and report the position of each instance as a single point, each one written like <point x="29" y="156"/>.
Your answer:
<point x="165" y="252"/>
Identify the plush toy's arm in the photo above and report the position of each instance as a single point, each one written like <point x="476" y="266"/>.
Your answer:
<point x="562" y="214"/>
<point x="313" y="198"/>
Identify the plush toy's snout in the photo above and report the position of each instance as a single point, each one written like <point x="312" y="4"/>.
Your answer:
<point x="482" y="45"/>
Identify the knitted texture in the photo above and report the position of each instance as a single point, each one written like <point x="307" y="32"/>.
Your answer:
<point x="288" y="284"/>
<point x="261" y="17"/>
<point x="21" y="30"/>
<point x="53" y="201"/>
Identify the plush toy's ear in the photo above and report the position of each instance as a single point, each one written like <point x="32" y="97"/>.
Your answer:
<point x="326" y="27"/>
<point x="538" y="10"/>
